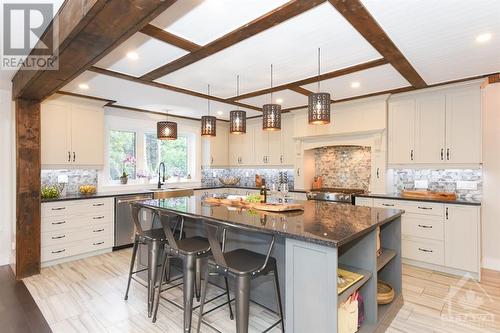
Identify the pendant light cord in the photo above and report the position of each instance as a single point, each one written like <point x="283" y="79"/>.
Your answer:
<point x="237" y="91"/>
<point x="271" y="83"/>
<point x="319" y="69"/>
<point x="208" y="99"/>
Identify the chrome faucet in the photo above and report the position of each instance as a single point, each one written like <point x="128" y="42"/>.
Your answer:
<point x="160" y="168"/>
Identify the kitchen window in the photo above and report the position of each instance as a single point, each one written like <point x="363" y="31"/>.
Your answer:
<point x="174" y="153"/>
<point x="122" y="154"/>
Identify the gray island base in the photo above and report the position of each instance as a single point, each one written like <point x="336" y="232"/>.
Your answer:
<point x="311" y="246"/>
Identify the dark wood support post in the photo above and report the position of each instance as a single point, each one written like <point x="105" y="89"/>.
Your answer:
<point x="28" y="174"/>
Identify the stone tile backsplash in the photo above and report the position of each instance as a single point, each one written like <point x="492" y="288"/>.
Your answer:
<point x="444" y="180"/>
<point x="344" y="166"/>
<point x="210" y="177"/>
<point x="76" y="177"/>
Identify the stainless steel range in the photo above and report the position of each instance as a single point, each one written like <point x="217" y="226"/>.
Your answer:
<point x="345" y="195"/>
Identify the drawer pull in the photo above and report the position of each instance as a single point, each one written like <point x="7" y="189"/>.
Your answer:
<point x="98" y="230"/>
<point x="59" y="237"/>
<point x="426" y="208"/>
<point x="425" y="250"/>
<point x="98" y="217"/>
<point x="388" y="205"/>
<point x="425" y="226"/>
<point x="59" y="208"/>
<point x="98" y="243"/>
<point x="59" y="251"/>
<point x="98" y="205"/>
<point x="56" y="223"/>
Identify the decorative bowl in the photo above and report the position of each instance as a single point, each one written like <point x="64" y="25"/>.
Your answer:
<point x="88" y="189"/>
<point x="229" y="180"/>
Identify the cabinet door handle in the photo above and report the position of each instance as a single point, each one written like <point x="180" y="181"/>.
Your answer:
<point x="59" y="208"/>
<point x="448" y="154"/>
<point x="211" y="160"/>
<point x="60" y="251"/>
<point x="281" y="159"/>
<point x="425" y="226"/>
<point x="98" y="205"/>
<point x="69" y="156"/>
<point x="74" y="156"/>
<point x="425" y="208"/>
<point x="98" y="217"/>
<point x="378" y="173"/>
<point x="59" y="237"/>
<point x="388" y="205"/>
<point x="446" y="213"/>
<point x="411" y="154"/>
<point x="442" y="154"/>
<point x="425" y="250"/>
<point x="99" y="243"/>
<point x="298" y="171"/>
<point x="57" y="223"/>
<point x="98" y="230"/>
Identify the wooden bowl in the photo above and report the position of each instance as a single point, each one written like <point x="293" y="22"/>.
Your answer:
<point x="385" y="293"/>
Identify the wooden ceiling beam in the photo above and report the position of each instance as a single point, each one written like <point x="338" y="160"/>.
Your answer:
<point x="88" y="30"/>
<point x="313" y="79"/>
<point x="359" y="17"/>
<point x="300" y="90"/>
<point x="168" y="87"/>
<point x="169" y="38"/>
<point x="266" y="21"/>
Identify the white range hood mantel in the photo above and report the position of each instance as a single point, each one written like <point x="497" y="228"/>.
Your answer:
<point x="373" y="139"/>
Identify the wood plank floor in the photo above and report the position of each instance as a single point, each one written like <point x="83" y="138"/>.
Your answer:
<point x="18" y="311"/>
<point x="87" y="296"/>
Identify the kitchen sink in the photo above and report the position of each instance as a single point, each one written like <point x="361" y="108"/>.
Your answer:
<point x="172" y="192"/>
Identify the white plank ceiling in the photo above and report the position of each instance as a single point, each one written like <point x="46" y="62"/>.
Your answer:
<point x="290" y="46"/>
<point x="203" y="21"/>
<point x="437" y="37"/>
<point x="141" y="96"/>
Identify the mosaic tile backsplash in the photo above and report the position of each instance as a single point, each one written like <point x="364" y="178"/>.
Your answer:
<point x="76" y="178"/>
<point x="444" y="180"/>
<point x="209" y="177"/>
<point x="344" y="166"/>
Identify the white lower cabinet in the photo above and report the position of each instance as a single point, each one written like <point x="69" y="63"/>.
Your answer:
<point x="443" y="235"/>
<point x="76" y="227"/>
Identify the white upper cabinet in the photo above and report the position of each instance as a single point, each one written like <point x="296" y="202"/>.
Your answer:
<point x="215" y="149"/>
<point x="402" y="131"/>
<point x="463" y="126"/>
<point x="287" y="142"/>
<point x="241" y="148"/>
<point x="430" y="122"/>
<point x="72" y="133"/>
<point x="437" y="127"/>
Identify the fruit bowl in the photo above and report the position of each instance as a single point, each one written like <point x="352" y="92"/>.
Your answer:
<point x="230" y="181"/>
<point x="88" y="189"/>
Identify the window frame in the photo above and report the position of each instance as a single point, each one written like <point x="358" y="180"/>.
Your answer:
<point x="189" y="149"/>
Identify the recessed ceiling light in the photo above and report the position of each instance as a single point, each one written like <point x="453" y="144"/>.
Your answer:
<point x="483" y="38"/>
<point x="132" y="55"/>
<point x="279" y="100"/>
<point x="355" y="84"/>
<point x="83" y="86"/>
<point x="220" y="113"/>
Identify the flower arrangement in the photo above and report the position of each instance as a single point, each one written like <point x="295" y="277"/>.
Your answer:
<point x="129" y="160"/>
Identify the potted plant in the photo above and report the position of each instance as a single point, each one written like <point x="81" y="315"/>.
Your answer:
<point x="128" y="161"/>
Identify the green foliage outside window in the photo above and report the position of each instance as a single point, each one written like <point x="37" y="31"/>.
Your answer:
<point x="121" y="149"/>
<point x="174" y="153"/>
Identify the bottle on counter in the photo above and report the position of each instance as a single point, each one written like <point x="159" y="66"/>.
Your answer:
<point x="263" y="192"/>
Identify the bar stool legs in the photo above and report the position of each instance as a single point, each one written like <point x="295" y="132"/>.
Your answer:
<point x="242" y="295"/>
<point x="132" y="263"/>
<point x="278" y="297"/>
<point x="153" y="253"/>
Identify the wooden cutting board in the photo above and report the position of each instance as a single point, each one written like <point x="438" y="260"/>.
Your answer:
<point x="429" y="195"/>
<point x="286" y="207"/>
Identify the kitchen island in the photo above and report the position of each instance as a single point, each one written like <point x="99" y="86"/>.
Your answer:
<point x="311" y="245"/>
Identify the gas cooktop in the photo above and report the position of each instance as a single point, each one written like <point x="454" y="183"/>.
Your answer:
<point x="345" y="195"/>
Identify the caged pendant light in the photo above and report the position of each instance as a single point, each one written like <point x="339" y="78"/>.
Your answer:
<point x="208" y="123"/>
<point x="237" y="118"/>
<point x="166" y="130"/>
<point x="271" y="113"/>
<point x="319" y="103"/>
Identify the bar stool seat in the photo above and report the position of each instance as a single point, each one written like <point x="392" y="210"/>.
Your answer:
<point x="192" y="245"/>
<point x="243" y="262"/>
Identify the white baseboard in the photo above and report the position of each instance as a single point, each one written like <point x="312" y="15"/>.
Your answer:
<point x="491" y="263"/>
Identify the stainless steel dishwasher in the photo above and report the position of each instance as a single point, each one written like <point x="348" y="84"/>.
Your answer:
<point x="124" y="223"/>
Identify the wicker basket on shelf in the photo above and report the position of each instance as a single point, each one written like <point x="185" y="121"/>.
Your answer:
<point x="385" y="293"/>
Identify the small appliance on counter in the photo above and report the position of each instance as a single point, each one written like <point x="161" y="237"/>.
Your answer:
<point x="259" y="181"/>
<point x="317" y="183"/>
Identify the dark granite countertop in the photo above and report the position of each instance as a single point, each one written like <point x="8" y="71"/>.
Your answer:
<point x="324" y="223"/>
<point x="396" y="196"/>
<point x="133" y="192"/>
<point x="238" y="187"/>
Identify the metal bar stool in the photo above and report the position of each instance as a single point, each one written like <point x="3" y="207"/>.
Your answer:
<point x="244" y="266"/>
<point x="194" y="253"/>
<point x="154" y="239"/>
